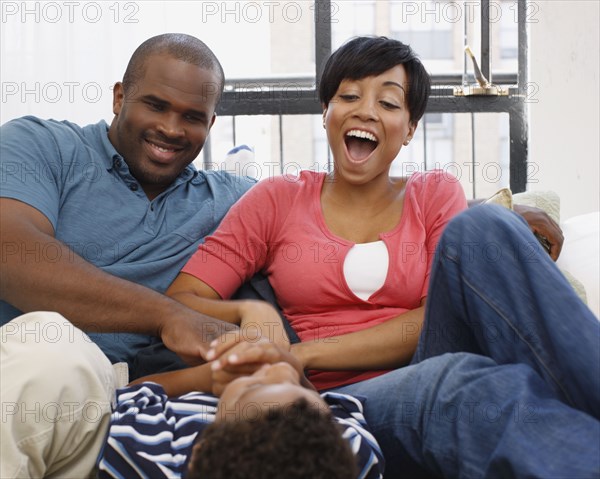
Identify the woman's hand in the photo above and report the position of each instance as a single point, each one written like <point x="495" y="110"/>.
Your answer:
<point x="244" y="352"/>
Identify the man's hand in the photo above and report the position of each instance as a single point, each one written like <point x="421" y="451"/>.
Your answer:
<point x="541" y="224"/>
<point x="190" y="335"/>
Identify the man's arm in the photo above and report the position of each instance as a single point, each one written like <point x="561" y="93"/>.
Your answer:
<point x="88" y="297"/>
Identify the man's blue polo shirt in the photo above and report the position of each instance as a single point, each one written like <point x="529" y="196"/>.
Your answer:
<point x="76" y="178"/>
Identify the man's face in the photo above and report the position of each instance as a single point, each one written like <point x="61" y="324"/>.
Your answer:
<point x="162" y="121"/>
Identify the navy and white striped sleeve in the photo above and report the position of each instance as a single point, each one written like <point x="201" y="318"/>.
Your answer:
<point x="348" y="411"/>
<point x="151" y="435"/>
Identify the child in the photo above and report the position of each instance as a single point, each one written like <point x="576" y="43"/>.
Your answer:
<point x="268" y="423"/>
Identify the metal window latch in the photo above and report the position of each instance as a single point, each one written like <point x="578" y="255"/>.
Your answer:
<point x="483" y="87"/>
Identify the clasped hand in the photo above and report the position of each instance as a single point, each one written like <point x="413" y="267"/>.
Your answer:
<point x="241" y="353"/>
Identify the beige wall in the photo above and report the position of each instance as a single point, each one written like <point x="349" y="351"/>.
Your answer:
<point x="564" y="115"/>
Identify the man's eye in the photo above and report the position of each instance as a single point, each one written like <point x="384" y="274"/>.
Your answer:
<point x="155" y="106"/>
<point x="348" y="97"/>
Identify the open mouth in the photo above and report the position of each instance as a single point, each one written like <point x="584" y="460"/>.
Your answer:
<point x="360" y="144"/>
<point x="163" y="152"/>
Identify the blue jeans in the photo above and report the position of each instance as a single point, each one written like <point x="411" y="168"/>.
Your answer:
<point x="505" y="381"/>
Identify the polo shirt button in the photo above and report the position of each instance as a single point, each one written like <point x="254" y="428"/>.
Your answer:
<point x="117" y="163"/>
<point x="133" y="187"/>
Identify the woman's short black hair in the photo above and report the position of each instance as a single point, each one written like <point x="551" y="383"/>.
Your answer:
<point x="362" y="57"/>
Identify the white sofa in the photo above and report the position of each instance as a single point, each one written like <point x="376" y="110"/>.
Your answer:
<point x="580" y="254"/>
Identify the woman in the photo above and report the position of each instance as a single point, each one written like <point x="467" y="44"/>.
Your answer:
<point x="356" y="241"/>
<point x="349" y="255"/>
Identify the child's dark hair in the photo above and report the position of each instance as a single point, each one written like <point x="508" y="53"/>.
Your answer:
<point x="362" y="57"/>
<point x="296" y="442"/>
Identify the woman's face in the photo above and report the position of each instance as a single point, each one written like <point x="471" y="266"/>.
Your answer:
<point x="367" y="122"/>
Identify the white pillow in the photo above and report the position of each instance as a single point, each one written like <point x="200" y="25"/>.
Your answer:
<point x="580" y="254"/>
<point x="547" y="200"/>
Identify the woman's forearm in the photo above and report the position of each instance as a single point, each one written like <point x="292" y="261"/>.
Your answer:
<point x="388" y="345"/>
<point x="225" y="310"/>
<point x="253" y="316"/>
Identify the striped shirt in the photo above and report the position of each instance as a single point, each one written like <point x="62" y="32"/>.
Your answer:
<point x="151" y="435"/>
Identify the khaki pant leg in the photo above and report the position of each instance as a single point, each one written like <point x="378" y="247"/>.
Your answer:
<point x="56" y="390"/>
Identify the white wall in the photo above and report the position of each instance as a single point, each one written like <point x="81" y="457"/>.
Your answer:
<point x="565" y="108"/>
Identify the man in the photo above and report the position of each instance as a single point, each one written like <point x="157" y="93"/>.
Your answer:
<point x="97" y="221"/>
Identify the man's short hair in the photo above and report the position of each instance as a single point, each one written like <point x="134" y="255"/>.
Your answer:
<point x="297" y="441"/>
<point x="180" y="46"/>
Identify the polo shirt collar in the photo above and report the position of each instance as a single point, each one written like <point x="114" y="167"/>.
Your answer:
<point x="111" y="153"/>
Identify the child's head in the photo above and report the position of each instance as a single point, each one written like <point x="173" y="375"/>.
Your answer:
<point x="297" y="440"/>
<point x="363" y="57"/>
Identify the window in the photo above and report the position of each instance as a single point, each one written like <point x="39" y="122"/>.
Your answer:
<point x="466" y="133"/>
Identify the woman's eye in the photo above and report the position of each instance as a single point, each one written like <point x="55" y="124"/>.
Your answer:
<point x="389" y="106"/>
<point x="348" y="97"/>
